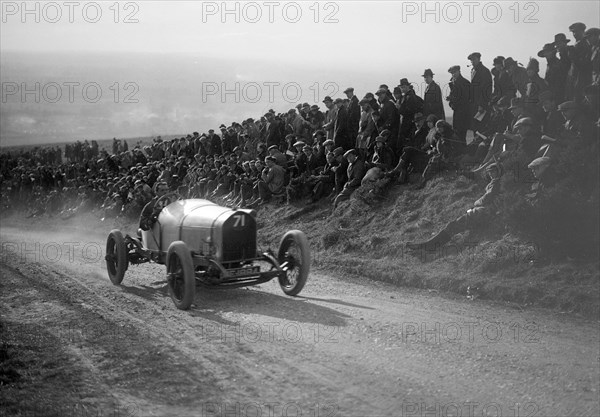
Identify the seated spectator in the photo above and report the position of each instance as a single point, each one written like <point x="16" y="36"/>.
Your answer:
<point x="383" y="158"/>
<point x="445" y="154"/>
<point x="356" y="172"/>
<point x="553" y="120"/>
<point x="324" y="181"/>
<point x="420" y="132"/>
<point x="272" y="181"/>
<point x="478" y="216"/>
<point x="340" y="169"/>
<point x="280" y="158"/>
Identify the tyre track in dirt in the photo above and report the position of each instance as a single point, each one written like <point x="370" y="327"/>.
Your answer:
<point x="343" y="348"/>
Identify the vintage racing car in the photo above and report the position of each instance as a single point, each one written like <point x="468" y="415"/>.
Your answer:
<point x="203" y="243"/>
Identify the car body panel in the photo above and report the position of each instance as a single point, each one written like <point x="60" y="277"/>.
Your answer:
<point x="229" y="235"/>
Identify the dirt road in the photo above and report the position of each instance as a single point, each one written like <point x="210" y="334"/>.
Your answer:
<point x="345" y="347"/>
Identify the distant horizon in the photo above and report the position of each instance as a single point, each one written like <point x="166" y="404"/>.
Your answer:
<point x="144" y="68"/>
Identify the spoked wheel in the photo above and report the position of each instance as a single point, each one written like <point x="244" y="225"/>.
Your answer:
<point x="294" y="258"/>
<point x="116" y="256"/>
<point x="180" y="275"/>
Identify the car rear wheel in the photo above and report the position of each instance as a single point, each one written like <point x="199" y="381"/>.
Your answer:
<point x="180" y="275"/>
<point x="294" y="257"/>
<point x="116" y="256"/>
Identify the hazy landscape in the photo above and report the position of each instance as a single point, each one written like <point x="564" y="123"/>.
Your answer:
<point x="87" y="96"/>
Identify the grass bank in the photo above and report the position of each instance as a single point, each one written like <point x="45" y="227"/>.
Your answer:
<point x="367" y="237"/>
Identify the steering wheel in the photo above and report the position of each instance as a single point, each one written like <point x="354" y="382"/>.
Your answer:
<point x="171" y="196"/>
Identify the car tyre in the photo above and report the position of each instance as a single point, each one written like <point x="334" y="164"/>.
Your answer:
<point x="116" y="256"/>
<point x="295" y="250"/>
<point x="181" y="278"/>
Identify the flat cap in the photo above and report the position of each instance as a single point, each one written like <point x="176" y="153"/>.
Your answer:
<point x="350" y="152"/>
<point x="299" y="143"/>
<point x="525" y="121"/>
<point x="453" y="69"/>
<point x="542" y="161"/>
<point x="272" y="147"/>
<point x="349" y="90"/>
<point x="509" y="62"/>
<point x="270" y="158"/>
<point x="577" y="26"/>
<point x="314" y="107"/>
<point x="567" y="105"/>
<point x="338" y="100"/>
<point x="591" y="32"/>
<point x="474" y="55"/>
<point x="338" y="151"/>
<point x="432" y="118"/>
<point x="381" y="91"/>
<point x="328" y="142"/>
<point x="499" y="60"/>
<point x="515" y="102"/>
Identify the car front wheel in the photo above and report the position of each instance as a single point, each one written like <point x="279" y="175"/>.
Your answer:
<point x="180" y="275"/>
<point x="116" y="256"/>
<point x="294" y="257"/>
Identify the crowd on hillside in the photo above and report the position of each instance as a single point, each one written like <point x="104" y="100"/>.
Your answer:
<point x="309" y="153"/>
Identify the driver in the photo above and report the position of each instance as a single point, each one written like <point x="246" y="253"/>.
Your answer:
<point x="151" y="210"/>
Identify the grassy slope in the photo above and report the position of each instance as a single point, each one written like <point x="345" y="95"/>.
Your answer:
<point x="367" y="237"/>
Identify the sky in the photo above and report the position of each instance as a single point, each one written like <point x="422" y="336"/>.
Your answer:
<point x="356" y="43"/>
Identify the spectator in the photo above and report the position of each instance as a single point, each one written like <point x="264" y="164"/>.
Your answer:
<point x="481" y="82"/>
<point x="356" y="172"/>
<point x="556" y="71"/>
<point x="272" y="182"/>
<point x="503" y="86"/>
<point x="580" y="72"/>
<point x="353" y="114"/>
<point x="460" y="101"/>
<point x="432" y="97"/>
<point x="341" y="135"/>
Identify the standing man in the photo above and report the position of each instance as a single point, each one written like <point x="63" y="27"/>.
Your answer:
<point x="273" y="135"/>
<point x="388" y="116"/>
<point x="556" y="71"/>
<point x="330" y="116"/>
<point x="367" y="131"/>
<point x="592" y="36"/>
<point x="353" y="113"/>
<point x="481" y="82"/>
<point x="341" y="137"/>
<point x="460" y="101"/>
<point x="408" y="105"/>
<point x="214" y="143"/>
<point x="503" y="86"/>
<point x="433" y="103"/>
<point x="580" y="73"/>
